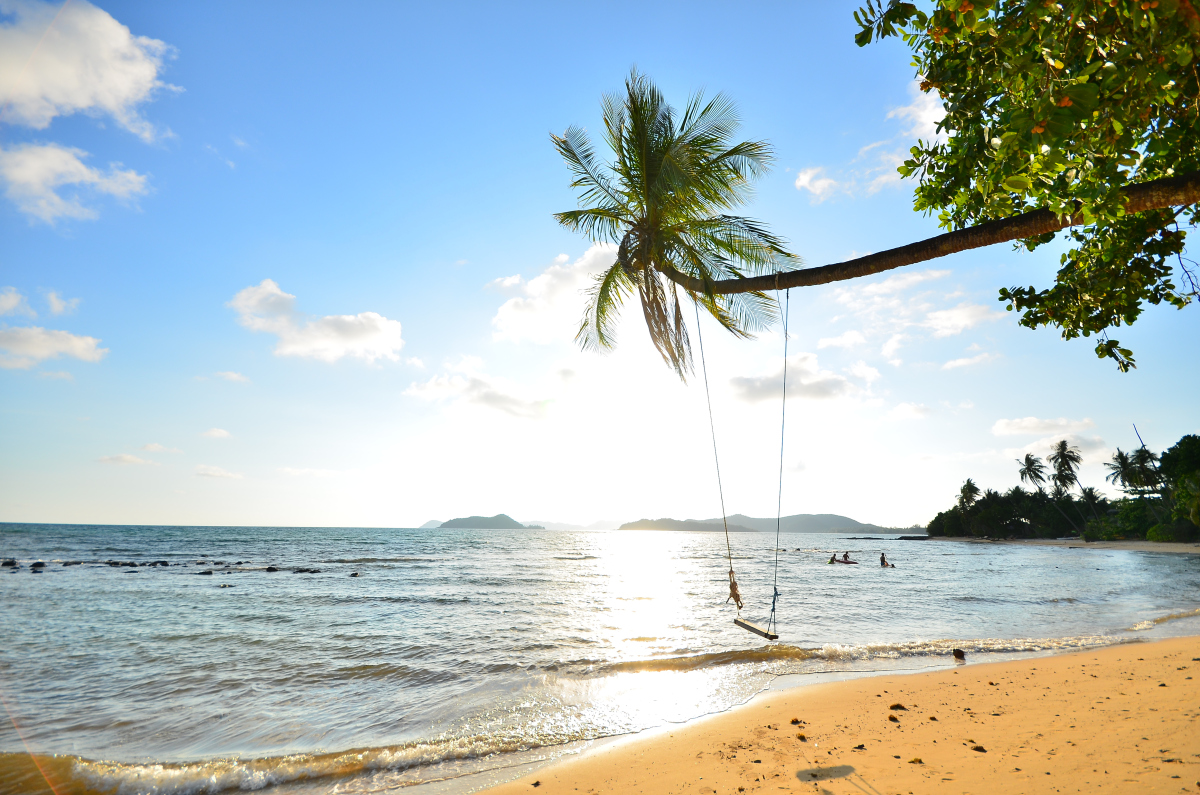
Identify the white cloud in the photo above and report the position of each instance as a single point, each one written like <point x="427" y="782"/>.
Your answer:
<point x="217" y="433"/>
<point x="59" y="59"/>
<point x="1033" y="425"/>
<point x="212" y="150"/>
<point x="230" y="375"/>
<point x="946" y="322"/>
<point x="123" y="459"/>
<point x="367" y="335"/>
<point x="13" y="303"/>
<point x="909" y="411"/>
<point x="33" y="174"/>
<point x="478" y="389"/>
<point x="922" y="115"/>
<point x="60" y="375"/>
<point x="59" y="305"/>
<point x="805" y="379"/>
<point x="155" y="447"/>
<point x="967" y="362"/>
<point x="847" y="340"/>
<point x="901" y="281"/>
<point x="861" y="369"/>
<point x="207" y="471"/>
<point x="28" y="345"/>
<point x="820" y="187"/>
<point x="308" y="473"/>
<point x="892" y="345"/>
<point x="551" y="304"/>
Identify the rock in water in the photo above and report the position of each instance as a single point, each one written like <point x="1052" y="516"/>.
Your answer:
<point x="38" y="565"/>
<point x="206" y="571"/>
<point x="960" y="655"/>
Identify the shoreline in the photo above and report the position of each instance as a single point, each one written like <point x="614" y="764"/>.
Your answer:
<point x="1171" y="547"/>
<point x="1123" y="715"/>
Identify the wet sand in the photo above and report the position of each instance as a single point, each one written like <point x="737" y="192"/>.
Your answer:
<point x="1117" y="719"/>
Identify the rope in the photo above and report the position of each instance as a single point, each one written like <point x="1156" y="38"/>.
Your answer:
<point x="734" y="594"/>
<point x="782" y="426"/>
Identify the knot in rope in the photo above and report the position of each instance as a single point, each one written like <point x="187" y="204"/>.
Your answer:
<point x="734" y="594"/>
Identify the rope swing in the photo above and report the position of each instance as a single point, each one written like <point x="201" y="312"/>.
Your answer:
<point x="735" y="595"/>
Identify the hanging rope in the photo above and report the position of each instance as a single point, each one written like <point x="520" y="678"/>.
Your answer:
<point x="734" y="594"/>
<point x="782" y="426"/>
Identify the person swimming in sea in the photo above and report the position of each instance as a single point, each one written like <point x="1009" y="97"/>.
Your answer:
<point x="845" y="557"/>
<point x="833" y="558"/>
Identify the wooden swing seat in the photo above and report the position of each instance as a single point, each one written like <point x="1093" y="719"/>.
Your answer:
<point x="755" y="628"/>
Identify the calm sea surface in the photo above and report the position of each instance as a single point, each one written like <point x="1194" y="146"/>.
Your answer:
<point x="459" y="651"/>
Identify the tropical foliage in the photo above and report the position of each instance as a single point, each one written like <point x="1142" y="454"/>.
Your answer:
<point x="1161" y="502"/>
<point x="1059" y="106"/>
<point x="664" y="200"/>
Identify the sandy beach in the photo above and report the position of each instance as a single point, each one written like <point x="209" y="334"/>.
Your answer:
<point x="1177" y="548"/>
<point x="1118" y="719"/>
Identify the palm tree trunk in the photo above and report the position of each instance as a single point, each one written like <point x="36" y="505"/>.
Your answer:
<point x="1174" y="191"/>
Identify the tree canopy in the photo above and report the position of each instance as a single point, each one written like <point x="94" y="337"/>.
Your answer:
<point x="1063" y="107"/>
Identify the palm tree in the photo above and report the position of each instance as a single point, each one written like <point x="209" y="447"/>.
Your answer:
<point x="1066" y="460"/>
<point x="1137" y="474"/>
<point x="663" y="201"/>
<point x="967" y="495"/>
<point x="1032" y="471"/>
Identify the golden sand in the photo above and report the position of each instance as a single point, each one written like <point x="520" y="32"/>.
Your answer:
<point x="1118" y="719"/>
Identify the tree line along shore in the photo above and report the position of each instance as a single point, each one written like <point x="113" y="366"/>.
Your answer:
<point x="1160" y="499"/>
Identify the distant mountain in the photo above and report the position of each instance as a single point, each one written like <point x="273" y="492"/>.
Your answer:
<point x="707" y="526"/>
<point x="806" y="523"/>
<point x="500" y="521"/>
<point x="431" y="523"/>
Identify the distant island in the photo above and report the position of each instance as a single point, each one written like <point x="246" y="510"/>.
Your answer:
<point x="500" y="521"/>
<point x="740" y="523"/>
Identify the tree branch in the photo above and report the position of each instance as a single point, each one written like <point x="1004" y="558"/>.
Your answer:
<point x="1156" y="194"/>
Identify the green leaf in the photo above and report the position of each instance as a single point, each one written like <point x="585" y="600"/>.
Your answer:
<point x="1018" y="183"/>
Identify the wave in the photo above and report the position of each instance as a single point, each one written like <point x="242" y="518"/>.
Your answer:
<point x="843" y="653"/>
<point x="22" y="773"/>
<point x="1153" y="622"/>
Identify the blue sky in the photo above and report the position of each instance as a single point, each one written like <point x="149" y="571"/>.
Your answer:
<point x="295" y="264"/>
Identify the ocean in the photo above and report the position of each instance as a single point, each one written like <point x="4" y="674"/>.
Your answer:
<point x="457" y="657"/>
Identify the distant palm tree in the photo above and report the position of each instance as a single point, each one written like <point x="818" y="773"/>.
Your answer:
<point x="662" y="200"/>
<point x="1137" y="473"/>
<point x="967" y="495"/>
<point x="1066" y="460"/>
<point x="1032" y="471"/>
<point x="1121" y="471"/>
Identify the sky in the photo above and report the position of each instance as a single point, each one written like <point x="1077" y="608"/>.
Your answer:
<point x="295" y="264"/>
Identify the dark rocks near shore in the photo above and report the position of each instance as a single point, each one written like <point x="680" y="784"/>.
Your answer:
<point x="272" y="568"/>
<point x="306" y="571"/>
<point x="8" y="563"/>
<point x="355" y="574"/>
<point x="37" y="565"/>
<point x="206" y="571"/>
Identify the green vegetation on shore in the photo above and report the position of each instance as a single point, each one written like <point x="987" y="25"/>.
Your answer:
<point x="1161" y="502"/>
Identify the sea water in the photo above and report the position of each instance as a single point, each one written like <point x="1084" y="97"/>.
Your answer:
<point x="456" y="653"/>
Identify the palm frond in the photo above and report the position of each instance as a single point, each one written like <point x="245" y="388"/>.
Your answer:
<point x="597" y="330"/>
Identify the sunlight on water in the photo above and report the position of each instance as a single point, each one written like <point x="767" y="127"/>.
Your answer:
<point x="456" y="651"/>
